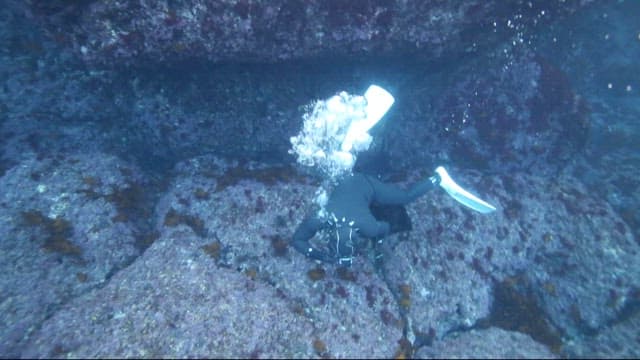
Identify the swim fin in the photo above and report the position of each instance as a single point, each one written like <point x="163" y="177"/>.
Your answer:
<point x="379" y="101"/>
<point x="461" y="195"/>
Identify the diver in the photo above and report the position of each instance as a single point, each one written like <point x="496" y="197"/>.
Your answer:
<point x="334" y="131"/>
<point x="351" y="224"/>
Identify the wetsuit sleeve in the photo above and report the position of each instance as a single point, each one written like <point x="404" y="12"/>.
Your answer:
<point x="389" y="194"/>
<point x="303" y="234"/>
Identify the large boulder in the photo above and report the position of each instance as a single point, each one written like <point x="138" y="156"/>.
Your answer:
<point x="172" y="111"/>
<point x="121" y="32"/>
<point x="67" y="225"/>
<point x="221" y="265"/>
<point x="492" y="343"/>
<point x="174" y="301"/>
<point x="521" y="113"/>
<point x="619" y="340"/>
<point x="246" y="214"/>
<point x="221" y="281"/>
<point x="573" y="254"/>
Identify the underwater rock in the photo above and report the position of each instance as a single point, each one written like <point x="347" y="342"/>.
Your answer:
<point x="619" y="340"/>
<point x="220" y="281"/>
<point x="250" y="214"/>
<point x="519" y="114"/>
<point x="492" y="343"/>
<point x="124" y="32"/>
<point x="575" y="251"/>
<point x="66" y="226"/>
<point x="168" y="111"/>
<point x="174" y="301"/>
<point x="435" y="269"/>
<point x="586" y="268"/>
<point x="222" y="266"/>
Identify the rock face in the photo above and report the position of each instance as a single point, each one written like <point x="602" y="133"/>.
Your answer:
<point x="121" y="32"/>
<point x="66" y="226"/>
<point x="492" y="343"/>
<point x="174" y="300"/>
<point x="252" y="223"/>
<point x="221" y="281"/>
<point x="510" y="110"/>
<point x="618" y="340"/>
<point x="219" y="278"/>
<point x="523" y="115"/>
<point x="492" y="111"/>
<point x="578" y="258"/>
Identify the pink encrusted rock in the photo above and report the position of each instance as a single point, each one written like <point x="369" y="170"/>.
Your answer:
<point x="519" y="114"/>
<point x="174" y="301"/>
<point x="222" y="266"/>
<point x="619" y="340"/>
<point x="353" y="312"/>
<point x="130" y="32"/>
<point x="577" y="254"/>
<point x="63" y="233"/>
<point x="492" y="343"/>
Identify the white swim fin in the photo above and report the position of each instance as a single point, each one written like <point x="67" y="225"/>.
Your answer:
<point x="379" y="101"/>
<point x="461" y="195"/>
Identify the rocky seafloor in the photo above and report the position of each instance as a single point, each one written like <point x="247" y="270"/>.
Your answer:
<point x="214" y="276"/>
<point x="147" y="197"/>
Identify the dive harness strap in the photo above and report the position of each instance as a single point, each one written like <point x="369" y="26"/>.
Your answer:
<point x="336" y="223"/>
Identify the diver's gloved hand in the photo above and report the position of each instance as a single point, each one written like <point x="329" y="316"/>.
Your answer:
<point x="435" y="178"/>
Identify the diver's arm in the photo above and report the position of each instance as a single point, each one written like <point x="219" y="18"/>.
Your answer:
<point x="389" y="194"/>
<point x="303" y="234"/>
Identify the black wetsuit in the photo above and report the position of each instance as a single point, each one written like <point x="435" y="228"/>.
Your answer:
<point x="351" y="217"/>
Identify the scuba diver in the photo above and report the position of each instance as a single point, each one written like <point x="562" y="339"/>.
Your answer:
<point x="334" y="131"/>
<point x="351" y="223"/>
